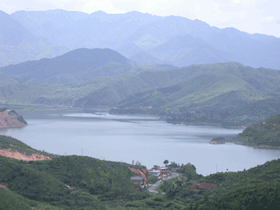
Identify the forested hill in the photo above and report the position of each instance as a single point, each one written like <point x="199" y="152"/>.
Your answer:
<point x="65" y="182"/>
<point x="76" y="66"/>
<point x="265" y="134"/>
<point x="222" y="93"/>
<point x="85" y="183"/>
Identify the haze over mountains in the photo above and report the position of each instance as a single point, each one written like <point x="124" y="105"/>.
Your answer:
<point x="17" y="44"/>
<point x="78" y="65"/>
<point x="170" y="39"/>
<point x="148" y="64"/>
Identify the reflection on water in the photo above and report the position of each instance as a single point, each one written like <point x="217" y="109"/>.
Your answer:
<point x="127" y="138"/>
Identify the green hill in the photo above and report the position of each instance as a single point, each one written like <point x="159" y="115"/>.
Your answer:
<point x="13" y="201"/>
<point x="77" y="182"/>
<point x="7" y="142"/>
<point x="256" y="188"/>
<point x="222" y="93"/>
<point x="45" y="182"/>
<point x="226" y="94"/>
<point x="77" y="66"/>
<point x="265" y="134"/>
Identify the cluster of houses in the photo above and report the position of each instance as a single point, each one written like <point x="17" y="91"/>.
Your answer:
<point x="157" y="171"/>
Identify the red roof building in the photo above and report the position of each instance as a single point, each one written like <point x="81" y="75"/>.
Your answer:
<point x="4" y="186"/>
<point x="138" y="180"/>
<point x="163" y="170"/>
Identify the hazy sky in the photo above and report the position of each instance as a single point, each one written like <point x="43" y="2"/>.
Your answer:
<point x="252" y="16"/>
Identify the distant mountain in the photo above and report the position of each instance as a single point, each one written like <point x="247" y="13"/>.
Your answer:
<point x="135" y="32"/>
<point x="255" y="50"/>
<point x="76" y="66"/>
<point x="157" y="32"/>
<point x="81" y="30"/>
<point x="17" y="44"/>
<point x="187" y="50"/>
<point x="146" y="58"/>
<point x="52" y="24"/>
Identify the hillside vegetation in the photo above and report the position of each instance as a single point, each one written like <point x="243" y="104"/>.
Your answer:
<point x="92" y="181"/>
<point x="228" y="94"/>
<point x="265" y="134"/>
<point x="77" y="182"/>
<point x="7" y="142"/>
<point x="256" y="188"/>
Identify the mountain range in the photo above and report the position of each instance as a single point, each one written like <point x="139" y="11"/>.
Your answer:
<point x="173" y="39"/>
<point x="90" y="78"/>
<point x="18" y="44"/>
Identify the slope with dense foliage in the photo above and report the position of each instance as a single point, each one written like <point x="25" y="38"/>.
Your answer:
<point x="256" y="188"/>
<point x="223" y="93"/>
<point x="68" y="182"/>
<point x="265" y="134"/>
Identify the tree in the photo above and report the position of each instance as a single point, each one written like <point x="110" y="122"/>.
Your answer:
<point x="166" y="162"/>
<point x="138" y="163"/>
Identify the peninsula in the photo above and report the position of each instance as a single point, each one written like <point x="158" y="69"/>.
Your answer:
<point x="10" y="119"/>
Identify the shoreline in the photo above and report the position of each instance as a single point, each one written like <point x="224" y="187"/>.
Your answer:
<point x="255" y="146"/>
<point x="11" y="127"/>
<point x="207" y="124"/>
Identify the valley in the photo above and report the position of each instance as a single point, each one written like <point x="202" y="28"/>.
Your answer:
<point x="83" y="95"/>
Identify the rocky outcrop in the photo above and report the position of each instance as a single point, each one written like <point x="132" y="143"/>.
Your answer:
<point x="10" y="119"/>
<point x="19" y="156"/>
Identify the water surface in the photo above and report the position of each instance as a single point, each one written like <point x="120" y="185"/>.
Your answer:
<point x="127" y="138"/>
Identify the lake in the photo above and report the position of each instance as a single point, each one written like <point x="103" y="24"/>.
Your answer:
<point x="146" y="139"/>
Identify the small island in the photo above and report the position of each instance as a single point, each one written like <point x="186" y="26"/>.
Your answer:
<point x="10" y="119"/>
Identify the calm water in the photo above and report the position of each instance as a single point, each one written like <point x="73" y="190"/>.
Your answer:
<point x="145" y="139"/>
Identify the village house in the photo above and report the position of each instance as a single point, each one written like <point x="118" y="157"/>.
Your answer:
<point x="154" y="172"/>
<point x="156" y="167"/>
<point x="138" y="180"/>
<point x="163" y="170"/>
<point x="4" y="186"/>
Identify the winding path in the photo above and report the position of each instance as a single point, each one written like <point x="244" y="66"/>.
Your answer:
<point x="152" y="188"/>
